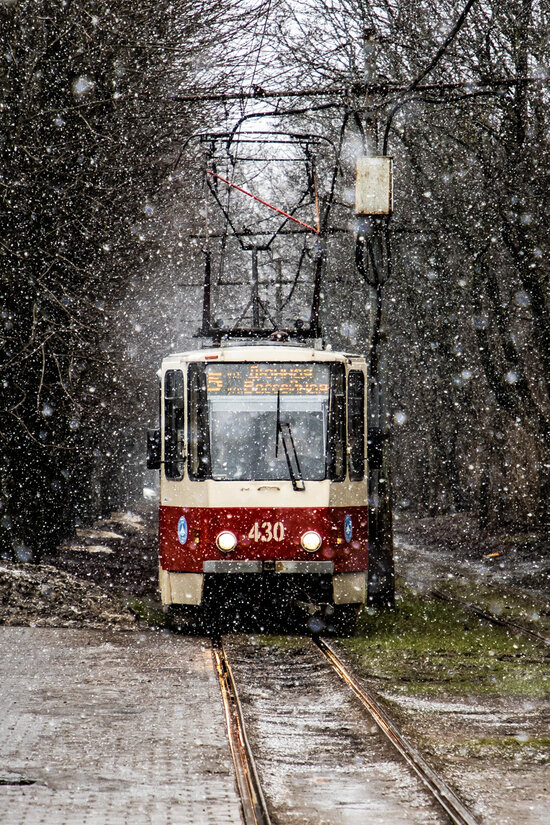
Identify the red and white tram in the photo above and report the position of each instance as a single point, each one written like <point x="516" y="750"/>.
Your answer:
<point x="262" y="456"/>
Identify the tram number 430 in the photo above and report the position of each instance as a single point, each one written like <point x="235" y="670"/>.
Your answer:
<point x="266" y="531"/>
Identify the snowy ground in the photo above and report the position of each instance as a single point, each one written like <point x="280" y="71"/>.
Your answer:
<point x="89" y="581"/>
<point x="503" y="558"/>
<point x="43" y="596"/>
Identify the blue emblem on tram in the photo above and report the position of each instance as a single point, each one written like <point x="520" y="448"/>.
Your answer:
<point x="348" y="528"/>
<point x="183" y="530"/>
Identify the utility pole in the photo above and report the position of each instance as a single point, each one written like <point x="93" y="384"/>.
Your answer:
<point x="369" y="47"/>
<point x="374" y="195"/>
<point x="206" y="299"/>
<point x="255" y="290"/>
<point x="278" y="291"/>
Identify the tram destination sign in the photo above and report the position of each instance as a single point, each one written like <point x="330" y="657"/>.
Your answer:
<point x="267" y="379"/>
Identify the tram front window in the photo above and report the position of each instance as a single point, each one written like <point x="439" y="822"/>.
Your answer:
<point x="247" y="402"/>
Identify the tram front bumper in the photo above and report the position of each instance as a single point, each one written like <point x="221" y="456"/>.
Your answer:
<point x="319" y="567"/>
<point x="232" y="566"/>
<point x="187" y="588"/>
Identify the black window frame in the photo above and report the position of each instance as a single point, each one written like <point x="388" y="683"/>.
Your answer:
<point x="336" y="425"/>
<point x="174" y="424"/>
<point x="356" y="425"/>
<point x="198" y="426"/>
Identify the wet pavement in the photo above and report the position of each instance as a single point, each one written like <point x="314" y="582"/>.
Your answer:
<point x="101" y="728"/>
<point x="321" y="760"/>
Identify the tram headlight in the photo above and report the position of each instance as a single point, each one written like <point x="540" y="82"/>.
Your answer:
<point x="311" y="541"/>
<point x="226" y="541"/>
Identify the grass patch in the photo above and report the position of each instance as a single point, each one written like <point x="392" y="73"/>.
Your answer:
<point x="524" y="608"/>
<point x="507" y="747"/>
<point x="149" y="611"/>
<point x="432" y="647"/>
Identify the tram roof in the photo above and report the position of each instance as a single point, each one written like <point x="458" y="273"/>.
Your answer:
<point x="276" y="352"/>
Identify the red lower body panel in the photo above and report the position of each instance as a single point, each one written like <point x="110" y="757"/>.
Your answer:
<point x="188" y="535"/>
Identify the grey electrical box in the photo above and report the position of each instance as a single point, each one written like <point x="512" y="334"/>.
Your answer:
<point x="374" y="186"/>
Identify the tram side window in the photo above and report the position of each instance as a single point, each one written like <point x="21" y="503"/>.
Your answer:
<point x="173" y="424"/>
<point x="198" y="428"/>
<point x="356" y="425"/>
<point x="336" y="459"/>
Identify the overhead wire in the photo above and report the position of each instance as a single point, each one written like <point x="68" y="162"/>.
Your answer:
<point x="232" y="159"/>
<point x="234" y="155"/>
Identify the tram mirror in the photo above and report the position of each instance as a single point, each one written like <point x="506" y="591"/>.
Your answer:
<point x="153" y="449"/>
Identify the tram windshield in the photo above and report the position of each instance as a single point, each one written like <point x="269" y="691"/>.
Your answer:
<point x="249" y="404"/>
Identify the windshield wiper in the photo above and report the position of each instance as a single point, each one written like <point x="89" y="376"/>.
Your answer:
<point x="284" y="430"/>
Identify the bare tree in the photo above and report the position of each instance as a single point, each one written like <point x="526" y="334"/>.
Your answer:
<point x="89" y="134"/>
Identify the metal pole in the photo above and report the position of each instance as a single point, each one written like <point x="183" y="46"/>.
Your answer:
<point x="206" y="311"/>
<point x="279" y="292"/>
<point x="255" y="291"/>
<point x="321" y="256"/>
<point x="381" y="571"/>
<point x="369" y="47"/>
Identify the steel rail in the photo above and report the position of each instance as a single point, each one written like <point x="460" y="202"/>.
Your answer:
<point x="471" y="607"/>
<point x="458" y="813"/>
<point x="248" y="784"/>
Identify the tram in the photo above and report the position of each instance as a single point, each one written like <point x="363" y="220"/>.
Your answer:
<point x="261" y="451"/>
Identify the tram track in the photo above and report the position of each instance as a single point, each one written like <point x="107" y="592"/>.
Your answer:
<point x="255" y="811"/>
<point x="455" y="809"/>
<point x="483" y="613"/>
<point x="254" y="807"/>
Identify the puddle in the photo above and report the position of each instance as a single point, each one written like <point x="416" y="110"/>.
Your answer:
<point x="83" y="533"/>
<point x="86" y="548"/>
